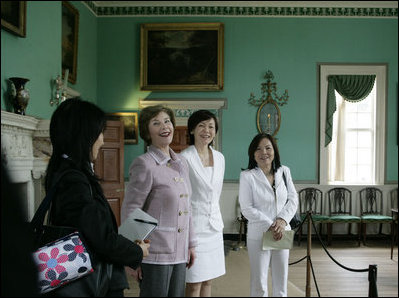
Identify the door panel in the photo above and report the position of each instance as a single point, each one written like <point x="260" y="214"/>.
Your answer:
<point x="180" y="139"/>
<point x="111" y="158"/>
<point x="109" y="166"/>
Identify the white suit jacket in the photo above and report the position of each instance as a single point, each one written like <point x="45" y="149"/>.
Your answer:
<point x="260" y="205"/>
<point x="205" y="193"/>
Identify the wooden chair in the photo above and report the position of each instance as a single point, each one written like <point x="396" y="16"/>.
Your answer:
<point x="340" y="210"/>
<point x="371" y="210"/>
<point x="311" y="199"/>
<point x="394" y="213"/>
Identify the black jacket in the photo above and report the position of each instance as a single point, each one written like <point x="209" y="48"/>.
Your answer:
<point x="79" y="202"/>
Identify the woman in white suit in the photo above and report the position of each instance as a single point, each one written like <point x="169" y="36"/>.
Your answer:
<point x="268" y="204"/>
<point x="206" y="171"/>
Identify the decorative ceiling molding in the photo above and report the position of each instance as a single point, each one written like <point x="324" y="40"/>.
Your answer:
<point x="341" y="9"/>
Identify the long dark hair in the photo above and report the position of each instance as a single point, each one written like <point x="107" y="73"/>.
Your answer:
<point x="252" y="148"/>
<point x="74" y="128"/>
<point x="197" y="117"/>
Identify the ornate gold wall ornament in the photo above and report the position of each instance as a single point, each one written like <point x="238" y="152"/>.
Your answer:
<point x="268" y="118"/>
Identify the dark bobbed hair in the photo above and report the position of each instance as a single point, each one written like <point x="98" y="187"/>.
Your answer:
<point x="197" y="117"/>
<point x="74" y="128"/>
<point x="147" y="114"/>
<point x="252" y="148"/>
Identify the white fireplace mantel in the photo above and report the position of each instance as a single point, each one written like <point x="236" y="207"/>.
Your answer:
<point x="192" y="104"/>
<point x="27" y="149"/>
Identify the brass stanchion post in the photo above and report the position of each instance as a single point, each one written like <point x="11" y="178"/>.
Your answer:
<point x="309" y="249"/>
<point x="239" y="244"/>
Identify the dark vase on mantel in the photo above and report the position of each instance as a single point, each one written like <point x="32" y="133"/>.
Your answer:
<point x="19" y="95"/>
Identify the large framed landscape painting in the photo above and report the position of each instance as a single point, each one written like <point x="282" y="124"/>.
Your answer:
<point x="181" y="56"/>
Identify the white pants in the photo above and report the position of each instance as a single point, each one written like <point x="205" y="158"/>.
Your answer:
<point x="259" y="261"/>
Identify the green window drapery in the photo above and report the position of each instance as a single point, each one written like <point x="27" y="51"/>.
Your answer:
<point x="352" y="88"/>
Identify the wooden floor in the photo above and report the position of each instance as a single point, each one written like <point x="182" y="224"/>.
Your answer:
<point x="332" y="280"/>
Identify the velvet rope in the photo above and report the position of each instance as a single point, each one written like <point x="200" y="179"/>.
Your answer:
<point x="372" y="269"/>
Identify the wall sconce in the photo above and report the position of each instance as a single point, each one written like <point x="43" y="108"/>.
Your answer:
<point x="60" y="93"/>
<point x="268" y="118"/>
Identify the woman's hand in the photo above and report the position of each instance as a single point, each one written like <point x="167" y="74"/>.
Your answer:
<point x="191" y="257"/>
<point x="278" y="228"/>
<point x="145" y="245"/>
<point x="137" y="274"/>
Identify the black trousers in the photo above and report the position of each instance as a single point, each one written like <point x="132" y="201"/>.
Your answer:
<point x="115" y="293"/>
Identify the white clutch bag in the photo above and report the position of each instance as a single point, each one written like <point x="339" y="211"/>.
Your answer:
<point x="285" y="242"/>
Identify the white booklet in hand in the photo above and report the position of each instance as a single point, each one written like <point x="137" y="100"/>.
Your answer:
<point x="284" y="243"/>
<point x="138" y="225"/>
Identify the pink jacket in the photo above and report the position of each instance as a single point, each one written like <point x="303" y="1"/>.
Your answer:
<point x="161" y="187"/>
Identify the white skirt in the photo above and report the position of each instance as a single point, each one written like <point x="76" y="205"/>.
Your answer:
<point x="209" y="262"/>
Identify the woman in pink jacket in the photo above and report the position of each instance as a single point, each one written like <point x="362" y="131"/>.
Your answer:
<point x="159" y="184"/>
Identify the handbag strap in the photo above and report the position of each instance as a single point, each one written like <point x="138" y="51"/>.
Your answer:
<point x="38" y="218"/>
<point x="285" y="179"/>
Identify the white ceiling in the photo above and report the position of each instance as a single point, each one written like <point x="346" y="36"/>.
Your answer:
<point x="353" y="4"/>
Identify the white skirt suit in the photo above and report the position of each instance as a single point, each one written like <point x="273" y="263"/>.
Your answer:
<point x="261" y="207"/>
<point x="206" y="184"/>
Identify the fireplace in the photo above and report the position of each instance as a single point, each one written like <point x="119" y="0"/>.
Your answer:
<point x="26" y="146"/>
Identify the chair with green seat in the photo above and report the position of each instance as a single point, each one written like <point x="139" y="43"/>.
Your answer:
<point x="371" y="208"/>
<point x="311" y="199"/>
<point x="340" y="211"/>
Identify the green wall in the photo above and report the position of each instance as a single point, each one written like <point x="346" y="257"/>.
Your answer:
<point x="290" y="48"/>
<point x="109" y="59"/>
<point x="38" y="56"/>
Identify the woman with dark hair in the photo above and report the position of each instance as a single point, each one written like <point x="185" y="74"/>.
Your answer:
<point x="76" y="133"/>
<point x="269" y="204"/>
<point x="159" y="185"/>
<point x="206" y="177"/>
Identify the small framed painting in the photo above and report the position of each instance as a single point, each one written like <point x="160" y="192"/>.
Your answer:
<point x="70" y="34"/>
<point x="130" y="122"/>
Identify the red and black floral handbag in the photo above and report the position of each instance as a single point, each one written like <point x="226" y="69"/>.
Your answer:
<point x="61" y="262"/>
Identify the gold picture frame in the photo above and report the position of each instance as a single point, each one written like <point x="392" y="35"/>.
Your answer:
<point x="70" y="37"/>
<point x="13" y="17"/>
<point x="181" y="56"/>
<point x="130" y="122"/>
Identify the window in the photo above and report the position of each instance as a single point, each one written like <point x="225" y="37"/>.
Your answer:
<point x="351" y="151"/>
<point x="356" y="154"/>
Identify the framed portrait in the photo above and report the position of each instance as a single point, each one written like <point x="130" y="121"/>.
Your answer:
<point x="181" y="56"/>
<point x="70" y="34"/>
<point x="13" y="17"/>
<point x="130" y="122"/>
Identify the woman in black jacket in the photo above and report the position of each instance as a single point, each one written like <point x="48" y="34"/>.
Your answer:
<point x="76" y="133"/>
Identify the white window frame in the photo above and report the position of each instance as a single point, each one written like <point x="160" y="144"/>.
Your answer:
<point x="380" y="70"/>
